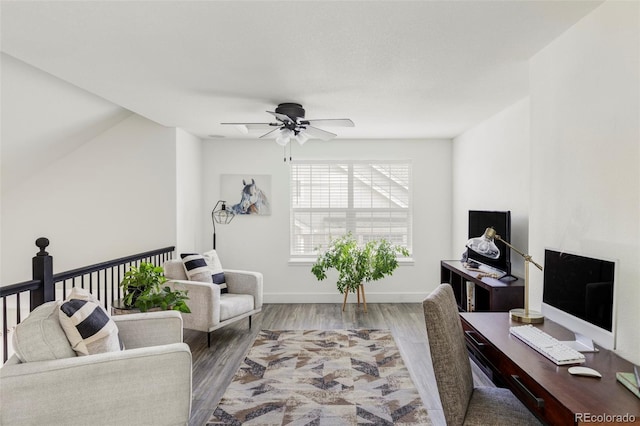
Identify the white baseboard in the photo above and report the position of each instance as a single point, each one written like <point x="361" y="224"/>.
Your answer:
<point x="335" y="297"/>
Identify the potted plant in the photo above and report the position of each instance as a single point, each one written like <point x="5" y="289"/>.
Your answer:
<point x="142" y="287"/>
<point x="357" y="264"/>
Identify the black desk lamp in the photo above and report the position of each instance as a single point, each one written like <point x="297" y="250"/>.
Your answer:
<point x="485" y="246"/>
<point x="221" y="215"/>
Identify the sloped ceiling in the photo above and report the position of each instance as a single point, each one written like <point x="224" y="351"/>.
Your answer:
<point x="44" y="119"/>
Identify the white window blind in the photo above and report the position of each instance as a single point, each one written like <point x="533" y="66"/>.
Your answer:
<point x="370" y="199"/>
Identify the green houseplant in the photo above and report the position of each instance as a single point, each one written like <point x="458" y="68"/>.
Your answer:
<point x="142" y="288"/>
<point x="357" y="264"/>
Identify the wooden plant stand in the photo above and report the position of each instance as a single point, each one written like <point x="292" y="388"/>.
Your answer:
<point x="359" y="290"/>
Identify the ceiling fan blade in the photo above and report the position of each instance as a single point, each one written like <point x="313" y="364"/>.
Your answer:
<point x="260" y="126"/>
<point x="282" y="117"/>
<point x="252" y="125"/>
<point x="316" y="133"/>
<point x="247" y="127"/>
<point x="272" y="134"/>
<point x="337" y="122"/>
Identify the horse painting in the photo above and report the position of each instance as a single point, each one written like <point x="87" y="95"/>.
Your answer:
<point x="252" y="200"/>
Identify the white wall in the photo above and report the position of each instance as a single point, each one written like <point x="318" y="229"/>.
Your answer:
<point x="111" y="197"/>
<point x="491" y="172"/>
<point x="572" y="149"/>
<point x="585" y="153"/>
<point x="262" y="242"/>
<point x="189" y="207"/>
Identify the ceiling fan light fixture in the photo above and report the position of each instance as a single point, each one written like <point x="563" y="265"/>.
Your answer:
<point x="302" y="138"/>
<point x="284" y="137"/>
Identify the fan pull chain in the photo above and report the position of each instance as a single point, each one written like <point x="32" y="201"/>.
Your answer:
<point x="284" y="150"/>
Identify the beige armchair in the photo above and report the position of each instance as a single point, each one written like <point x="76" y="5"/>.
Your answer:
<point x="148" y="383"/>
<point x="211" y="310"/>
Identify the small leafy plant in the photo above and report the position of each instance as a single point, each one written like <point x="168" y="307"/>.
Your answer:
<point x="142" y="287"/>
<point x="357" y="264"/>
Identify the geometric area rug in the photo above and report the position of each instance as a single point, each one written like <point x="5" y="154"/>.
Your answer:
<point x="322" y="377"/>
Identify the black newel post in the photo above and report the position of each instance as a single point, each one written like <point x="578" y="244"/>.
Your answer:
<point x="43" y="272"/>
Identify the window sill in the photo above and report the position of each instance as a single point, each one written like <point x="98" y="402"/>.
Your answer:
<point x="308" y="261"/>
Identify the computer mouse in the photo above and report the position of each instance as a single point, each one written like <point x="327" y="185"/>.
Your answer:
<point x="584" y="371"/>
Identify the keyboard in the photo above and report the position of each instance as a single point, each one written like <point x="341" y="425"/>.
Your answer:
<point x="547" y="345"/>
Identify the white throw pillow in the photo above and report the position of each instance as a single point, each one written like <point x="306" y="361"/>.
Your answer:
<point x="88" y="326"/>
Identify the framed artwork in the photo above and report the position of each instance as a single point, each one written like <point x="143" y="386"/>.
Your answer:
<point x="247" y="194"/>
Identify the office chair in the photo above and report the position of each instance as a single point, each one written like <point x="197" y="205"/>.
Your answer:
<point x="462" y="403"/>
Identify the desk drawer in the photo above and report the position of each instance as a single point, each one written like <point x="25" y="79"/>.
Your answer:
<point x="483" y="354"/>
<point x="534" y="396"/>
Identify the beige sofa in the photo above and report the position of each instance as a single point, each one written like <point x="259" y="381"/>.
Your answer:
<point x="148" y="383"/>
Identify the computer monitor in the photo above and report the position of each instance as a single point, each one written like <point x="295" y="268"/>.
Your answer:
<point x="579" y="294"/>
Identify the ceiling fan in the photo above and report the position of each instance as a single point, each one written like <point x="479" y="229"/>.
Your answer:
<point x="291" y="125"/>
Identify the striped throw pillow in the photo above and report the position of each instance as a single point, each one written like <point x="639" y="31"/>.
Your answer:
<point x="88" y="326"/>
<point x="198" y="268"/>
<point x="217" y="273"/>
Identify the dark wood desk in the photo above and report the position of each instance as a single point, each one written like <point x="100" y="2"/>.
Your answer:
<point x="548" y="390"/>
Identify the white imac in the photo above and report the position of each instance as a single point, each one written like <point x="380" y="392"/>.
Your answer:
<point x="579" y="294"/>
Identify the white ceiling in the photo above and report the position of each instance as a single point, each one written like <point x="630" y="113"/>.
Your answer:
<point x="418" y="69"/>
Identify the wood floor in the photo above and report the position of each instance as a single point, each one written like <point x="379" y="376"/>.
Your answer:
<point x="214" y="367"/>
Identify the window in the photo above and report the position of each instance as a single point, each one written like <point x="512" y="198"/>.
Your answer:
<point x="370" y="199"/>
